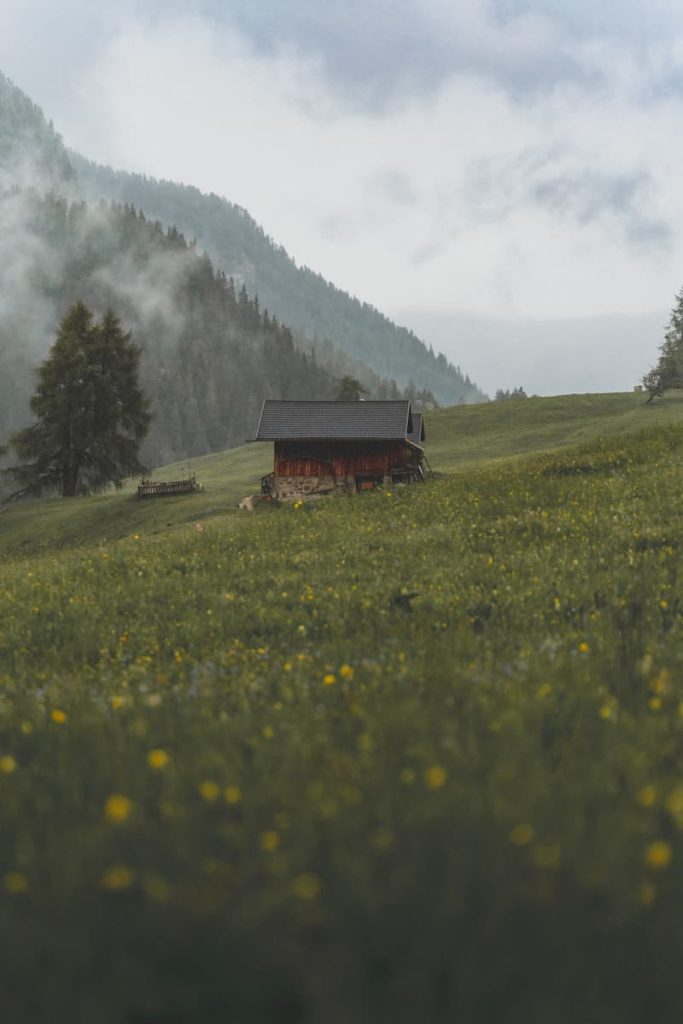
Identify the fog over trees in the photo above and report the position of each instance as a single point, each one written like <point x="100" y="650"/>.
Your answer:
<point x="214" y="342"/>
<point x="320" y="313"/>
<point x="210" y="355"/>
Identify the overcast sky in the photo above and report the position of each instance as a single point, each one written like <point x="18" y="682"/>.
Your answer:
<point x="449" y="161"/>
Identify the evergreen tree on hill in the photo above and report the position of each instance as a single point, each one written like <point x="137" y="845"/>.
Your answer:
<point x="668" y="373"/>
<point x="91" y="413"/>
<point x="209" y="356"/>
<point x="349" y="390"/>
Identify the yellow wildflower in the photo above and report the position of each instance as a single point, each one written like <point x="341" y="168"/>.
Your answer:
<point x="117" y="878"/>
<point x="674" y="804"/>
<point x="584" y="648"/>
<point x="658" y="855"/>
<point x="522" y="835"/>
<point x="158" y="759"/>
<point x="58" y="716"/>
<point x="646" y="796"/>
<point x="660" y="684"/>
<point x="209" y="791"/>
<point x="7" y="764"/>
<point x="15" y="882"/>
<point x="435" y="777"/>
<point x="232" y="794"/>
<point x="329" y="679"/>
<point x="608" y="710"/>
<point x="269" y="841"/>
<point x="117" y="808"/>
<point x="307" y="886"/>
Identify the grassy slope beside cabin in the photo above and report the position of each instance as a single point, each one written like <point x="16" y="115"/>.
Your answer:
<point x="412" y="756"/>
<point x="455" y="437"/>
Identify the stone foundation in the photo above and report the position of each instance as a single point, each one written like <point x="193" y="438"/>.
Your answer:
<point x="292" y="488"/>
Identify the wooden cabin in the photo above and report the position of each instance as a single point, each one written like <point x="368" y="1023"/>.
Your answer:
<point x="336" y="447"/>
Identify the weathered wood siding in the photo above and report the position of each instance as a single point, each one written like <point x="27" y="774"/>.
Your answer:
<point x="371" y="459"/>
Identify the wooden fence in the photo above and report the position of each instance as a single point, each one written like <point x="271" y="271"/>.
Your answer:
<point x="161" y="488"/>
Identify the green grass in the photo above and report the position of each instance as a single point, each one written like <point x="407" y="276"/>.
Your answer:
<point x="455" y="437"/>
<point x="502" y="429"/>
<point x="43" y="526"/>
<point x="415" y="755"/>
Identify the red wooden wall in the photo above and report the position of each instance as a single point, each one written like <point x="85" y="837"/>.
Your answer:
<point x="363" y="458"/>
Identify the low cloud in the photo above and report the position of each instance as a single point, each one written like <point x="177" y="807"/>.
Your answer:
<point x="494" y="157"/>
<point x="393" y="185"/>
<point x="623" y="202"/>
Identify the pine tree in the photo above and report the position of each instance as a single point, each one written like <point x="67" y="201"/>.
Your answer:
<point x="349" y="389"/>
<point x="91" y="413"/>
<point x="668" y="373"/>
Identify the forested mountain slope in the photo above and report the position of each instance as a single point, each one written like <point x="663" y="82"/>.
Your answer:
<point x="300" y="297"/>
<point x="31" y="151"/>
<point x="210" y="355"/>
<point x="212" y="352"/>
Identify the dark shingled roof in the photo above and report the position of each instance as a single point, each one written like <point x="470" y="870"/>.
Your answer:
<point x="335" y="421"/>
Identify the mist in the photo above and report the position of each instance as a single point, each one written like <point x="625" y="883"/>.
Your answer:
<point x="546" y="357"/>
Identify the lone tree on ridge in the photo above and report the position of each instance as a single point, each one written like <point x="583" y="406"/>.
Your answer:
<point x="668" y="373"/>
<point x="92" y="415"/>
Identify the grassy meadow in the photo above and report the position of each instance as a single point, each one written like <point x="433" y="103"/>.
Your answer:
<point x="415" y="755"/>
<point x="456" y="437"/>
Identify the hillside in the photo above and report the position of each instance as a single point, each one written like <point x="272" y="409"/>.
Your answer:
<point x="457" y="440"/>
<point x="31" y="151"/>
<point x="305" y="300"/>
<point x="515" y="428"/>
<point x="347" y="334"/>
<point x="414" y="756"/>
<point x="210" y="355"/>
<point x="212" y="349"/>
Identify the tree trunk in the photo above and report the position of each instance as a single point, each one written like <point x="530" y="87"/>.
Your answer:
<point x="69" y="481"/>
